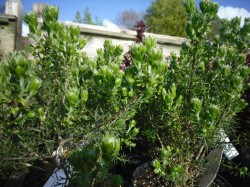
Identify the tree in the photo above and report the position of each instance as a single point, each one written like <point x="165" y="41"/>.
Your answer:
<point x="215" y="28"/>
<point x="87" y="18"/>
<point x="78" y="18"/>
<point x="166" y="17"/>
<point x="129" y="18"/>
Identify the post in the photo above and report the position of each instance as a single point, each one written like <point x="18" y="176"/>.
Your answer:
<point x="15" y="8"/>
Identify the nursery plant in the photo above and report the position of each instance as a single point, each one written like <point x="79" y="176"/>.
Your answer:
<point x="202" y="95"/>
<point x="92" y="111"/>
<point x="62" y="100"/>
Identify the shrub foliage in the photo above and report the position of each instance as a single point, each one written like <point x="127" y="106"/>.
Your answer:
<point x="91" y="109"/>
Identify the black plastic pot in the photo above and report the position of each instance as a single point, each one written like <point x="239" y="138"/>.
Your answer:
<point x="242" y="160"/>
<point x="144" y="176"/>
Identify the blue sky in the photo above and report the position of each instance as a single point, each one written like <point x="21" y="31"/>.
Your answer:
<point x="109" y="9"/>
<point x="103" y="9"/>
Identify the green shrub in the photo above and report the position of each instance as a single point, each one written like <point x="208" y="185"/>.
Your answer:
<point x="64" y="99"/>
<point x="202" y="95"/>
<point x="90" y="109"/>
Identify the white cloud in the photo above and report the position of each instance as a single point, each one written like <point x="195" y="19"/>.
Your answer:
<point x="109" y="24"/>
<point x="105" y="23"/>
<point x="231" y="12"/>
<point x="25" y="30"/>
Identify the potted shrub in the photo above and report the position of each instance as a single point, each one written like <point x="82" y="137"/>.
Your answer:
<point x="95" y="112"/>
<point x="63" y="100"/>
<point x="201" y="96"/>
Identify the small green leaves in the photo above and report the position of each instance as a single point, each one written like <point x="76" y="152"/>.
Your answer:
<point x="165" y="166"/>
<point x="196" y="105"/>
<point x="243" y="170"/>
<point x="19" y="64"/>
<point x="30" y="115"/>
<point x="190" y="6"/>
<point x="236" y="82"/>
<point x="90" y="154"/>
<point x="14" y="110"/>
<point x="34" y="84"/>
<point x="110" y="146"/>
<point x="131" y="134"/>
<point x="208" y="7"/>
<point x="173" y="91"/>
<point x="118" y="50"/>
<point x="40" y="111"/>
<point x="82" y="43"/>
<point x="118" y="82"/>
<point x="85" y="160"/>
<point x="227" y="70"/>
<point x="150" y="43"/>
<point x="2" y="74"/>
<point x="157" y="166"/>
<point x="85" y="95"/>
<point x="129" y="78"/>
<point x="20" y="72"/>
<point x="214" y="113"/>
<point x="31" y="20"/>
<point x="72" y="96"/>
<point x="108" y="102"/>
<point x="244" y="72"/>
<point x="131" y="93"/>
<point x="166" y="152"/>
<point x="146" y="50"/>
<point x="50" y="16"/>
<point x="136" y="54"/>
<point x="124" y="91"/>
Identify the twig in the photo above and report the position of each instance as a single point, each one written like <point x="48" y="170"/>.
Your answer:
<point x="199" y="153"/>
<point x="112" y="119"/>
<point x="158" y="137"/>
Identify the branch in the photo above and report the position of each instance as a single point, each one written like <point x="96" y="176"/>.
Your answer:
<point x="28" y="158"/>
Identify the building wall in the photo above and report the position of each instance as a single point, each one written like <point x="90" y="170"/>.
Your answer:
<point x="11" y="27"/>
<point x="8" y="32"/>
<point x="15" y="8"/>
<point x="96" y="35"/>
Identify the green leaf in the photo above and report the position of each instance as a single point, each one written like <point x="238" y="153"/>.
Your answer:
<point x="214" y="112"/>
<point x="156" y="164"/>
<point x="196" y="105"/>
<point x="110" y="146"/>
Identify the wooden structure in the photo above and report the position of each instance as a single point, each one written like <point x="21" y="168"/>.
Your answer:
<point x="11" y="27"/>
<point x="8" y="31"/>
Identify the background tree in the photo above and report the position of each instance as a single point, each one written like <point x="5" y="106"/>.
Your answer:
<point x="215" y="28"/>
<point x="87" y="18"/>
<point x="166" y="17"/>
<point x="78" y="18"/>
<point x="129" y="18"/>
